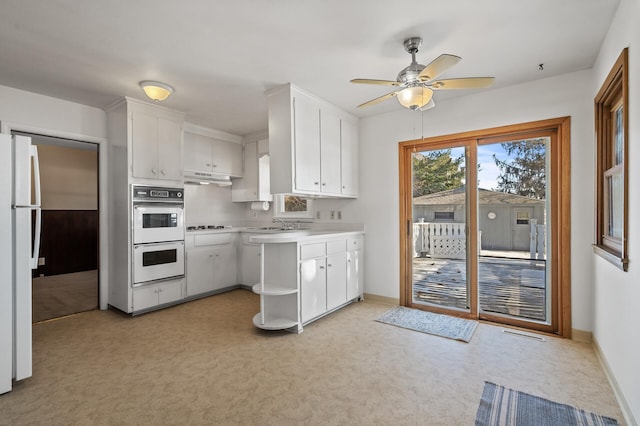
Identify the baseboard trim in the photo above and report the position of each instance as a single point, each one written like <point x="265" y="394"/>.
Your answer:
<point x="581" y="335"/>
<point x="624" y="406"/>
<point x="382" y="299"/>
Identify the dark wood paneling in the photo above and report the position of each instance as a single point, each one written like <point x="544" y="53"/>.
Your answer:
<point x="69" y="241"/>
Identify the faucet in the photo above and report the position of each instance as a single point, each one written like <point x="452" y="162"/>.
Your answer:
<point x="285" y="225"/>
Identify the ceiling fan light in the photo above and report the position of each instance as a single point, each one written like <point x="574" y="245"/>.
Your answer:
<point x="156" y="90"/>
<point x="414" y="97"/>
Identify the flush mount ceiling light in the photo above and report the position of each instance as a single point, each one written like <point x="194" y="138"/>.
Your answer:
<point x="156" y="90"/>
<point x="417" y="82"/>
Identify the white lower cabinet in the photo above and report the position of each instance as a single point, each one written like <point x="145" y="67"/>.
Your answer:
<point x="211" y="262"/>
<point x="324" y="287"/>
<point x="326" y="276"/>
<point x="355" y="272"/>
<point x="336" y="280"/>
<point x="313" y="288"/>
<point x="152" y="295"/>
<point x="249" y="271"/>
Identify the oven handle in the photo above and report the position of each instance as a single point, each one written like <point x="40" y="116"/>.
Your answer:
<point x="157" y="205"/>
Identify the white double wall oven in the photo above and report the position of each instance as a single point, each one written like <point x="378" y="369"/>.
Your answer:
<point x="158" y="234"/>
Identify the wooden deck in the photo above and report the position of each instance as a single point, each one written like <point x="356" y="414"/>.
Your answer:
<point x="513" y="287"/>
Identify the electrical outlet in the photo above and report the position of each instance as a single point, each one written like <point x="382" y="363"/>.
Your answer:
<point x="41" y="261"/>
<point x="339" y="214"/>
<point x="318" y="214"/>
<point x="332" y="215"/>
<point x="254" y="214"/>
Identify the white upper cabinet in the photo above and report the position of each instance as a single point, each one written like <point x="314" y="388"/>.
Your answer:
<point x="255" y="184"/>
<point x="349" y="159"/>
<point x="156" y="142"/>
<point x="206" y="154"/>
<point x="329" y="152"/>
<point x="307" y="138"/>
<point x="197" y="152"/>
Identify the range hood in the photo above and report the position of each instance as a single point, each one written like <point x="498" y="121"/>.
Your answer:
<point x="204" y="178"/>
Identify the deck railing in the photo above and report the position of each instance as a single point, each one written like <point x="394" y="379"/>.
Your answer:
<point x="440" y="239"/>
<point x="448" y="240"/>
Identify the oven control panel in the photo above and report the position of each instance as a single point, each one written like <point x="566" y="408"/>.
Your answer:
<point x="156" y="194"/>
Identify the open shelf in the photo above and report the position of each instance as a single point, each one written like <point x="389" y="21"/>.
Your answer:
<point x="274" y="290"/>
<point x="273" y="323"/>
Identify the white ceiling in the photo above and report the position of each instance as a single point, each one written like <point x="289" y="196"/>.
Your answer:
<point x="222" y="55"/>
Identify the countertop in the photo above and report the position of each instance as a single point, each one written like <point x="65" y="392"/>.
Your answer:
<point x="309" y="235"/>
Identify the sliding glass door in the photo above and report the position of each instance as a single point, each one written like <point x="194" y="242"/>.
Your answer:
<point x="512" y="211"/>
<point x="439" y="211"/>
<point x="482" y="215"/>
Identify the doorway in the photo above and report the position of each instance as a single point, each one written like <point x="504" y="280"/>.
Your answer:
<point x="485" y="215"/>
<point x="66" y="280"/>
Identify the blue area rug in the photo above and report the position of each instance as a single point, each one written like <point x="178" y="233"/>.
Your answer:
<point x="500" y="406"/>
<point x="428" y="322"/>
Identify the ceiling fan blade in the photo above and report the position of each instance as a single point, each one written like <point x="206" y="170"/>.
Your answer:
<point x="371" y="81"/>
<point x="463" y="83"/>
<point x="378" y="100"/>
<point x="438" y="66"/>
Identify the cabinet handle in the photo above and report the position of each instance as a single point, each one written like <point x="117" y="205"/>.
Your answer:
<point x="215" y="165"/>
<point x="349" y="260"/>
<point x="154" y="171"/>
<point x="329" y="265"/>
<point x="324" y="184"/>
<point x="208" y="164"/>
<point x="344" y="187"/>
<point x="162" y="171"/>
<point x="322" y="267"/>
<point x="315" y="183"/>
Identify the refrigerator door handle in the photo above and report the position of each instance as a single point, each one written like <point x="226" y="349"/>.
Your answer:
<point x="36" y="238"/>
<point x="33" y="152"/>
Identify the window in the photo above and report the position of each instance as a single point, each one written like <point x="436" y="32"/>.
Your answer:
<point x="611" y="112"/>
<point x="292" y="207"/>
<point x="443" y="215"/>
<point x="522" y="217"/>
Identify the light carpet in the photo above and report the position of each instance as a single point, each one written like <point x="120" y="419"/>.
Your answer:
<point x="500" y="406"/>
<point x="430" y="323"/>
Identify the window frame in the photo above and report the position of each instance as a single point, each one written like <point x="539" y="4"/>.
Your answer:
<point x="279" y="211"/>
<point x="612" y="96"/>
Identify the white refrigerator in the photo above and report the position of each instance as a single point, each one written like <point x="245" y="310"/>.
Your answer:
<point x="19" y="246"/>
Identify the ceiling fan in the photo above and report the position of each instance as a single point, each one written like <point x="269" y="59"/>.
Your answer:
<point x="416" y="82"/>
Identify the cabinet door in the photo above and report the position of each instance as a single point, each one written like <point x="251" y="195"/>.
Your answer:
<point x="144" y="145"/>
<point x="307" y="144"/>
<point x="226" y="267"/>
<point x="336" y="280"/>
<point x="145" y="297"/>
<point x="313" y="288"/>
<point x="354" y="274"/>
<point x="349" y="159"/>
<point x="250" y="272"/>
<point x="200" y="270"/>
<point x="226" y="158"/>
<point x="197" y="152"/>
<point x="169" y="149"/>
<point x="250" y="171"/>
<point x="169" y="292"/>
<point x="329" y="152"/>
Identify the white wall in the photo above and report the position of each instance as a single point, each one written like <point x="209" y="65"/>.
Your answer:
<point x="23" y="108"/>
<point x="211" y="205"/>
<point x="69" y="178"/>
<point x="378" y="204"/>
<point x="617" y="293"/>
